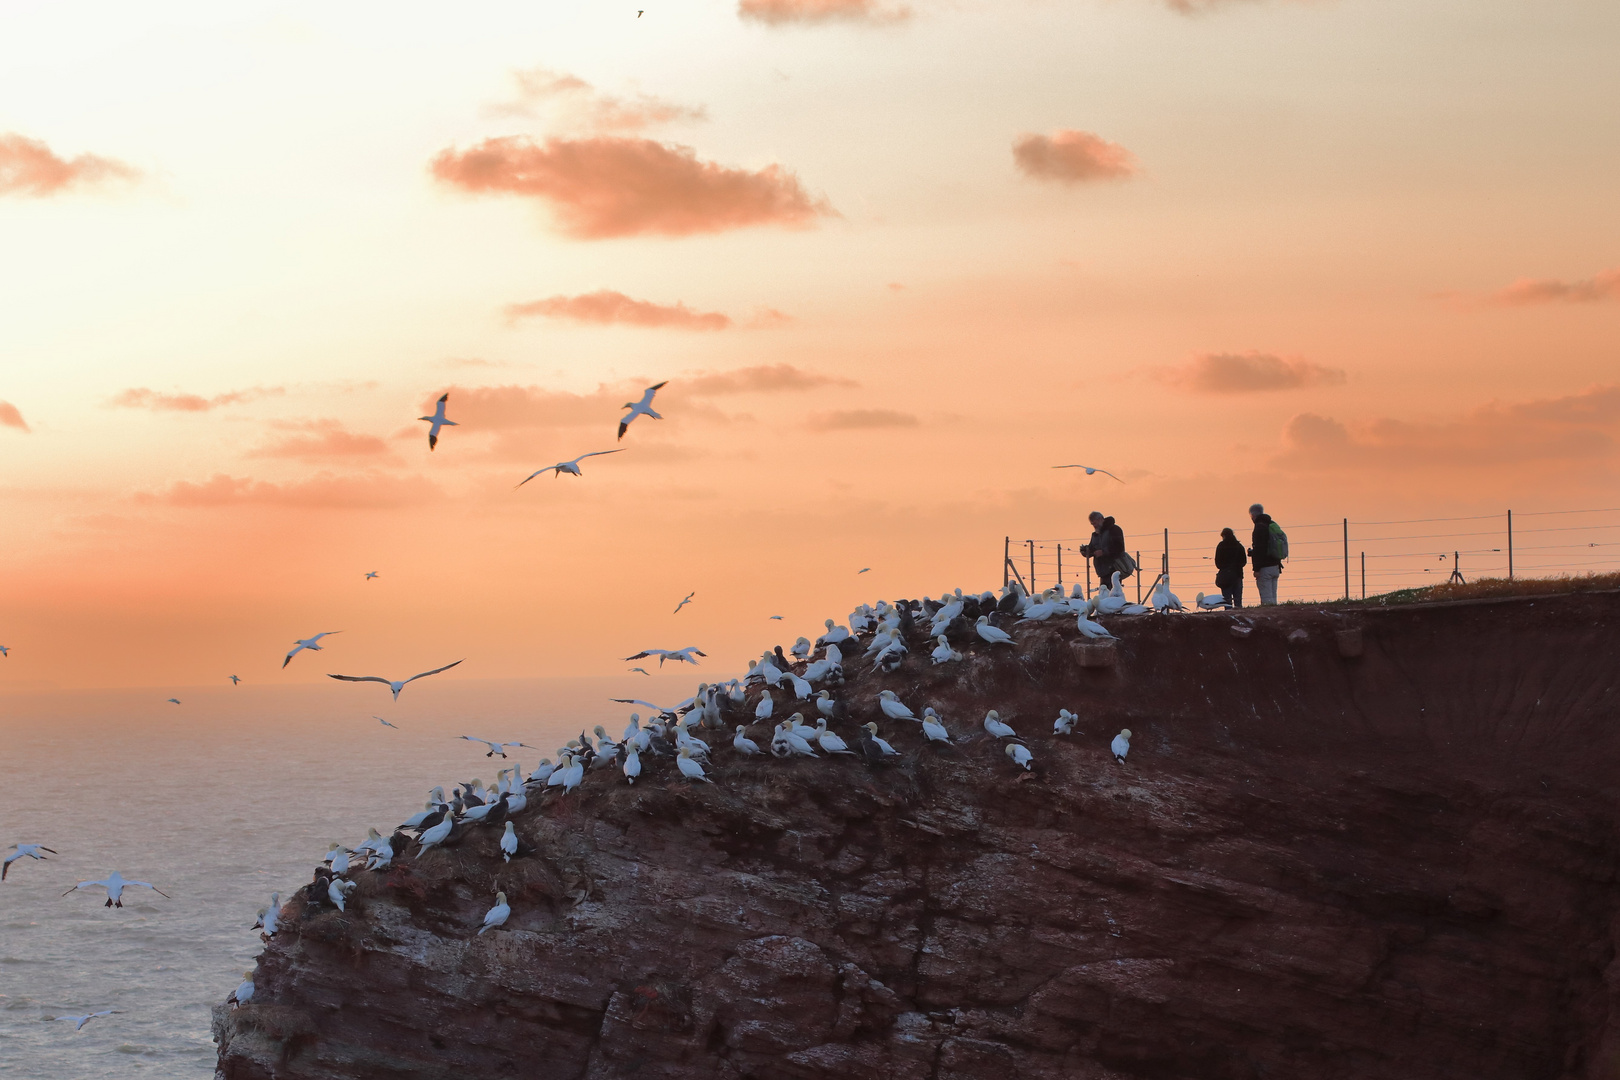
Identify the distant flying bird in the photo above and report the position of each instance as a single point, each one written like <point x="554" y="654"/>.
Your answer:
<point x="639" y="14"/>
<point x="569" y="467"/>
<point x="80" y="1021"/>
<point x="370" y="574"/>
<point x="383" y="722"/>
<point x="643" y="670"/>
<point x="31" y="851"/>
<point x="494" y="747"/>
<point x="778" y="618"/>
<point x="115" y="883"/>
<point x="235" y="679"/>
<point x="683" y="603"/>
<point x="863" y="570"/>
<point x="658" y="709"/>
<point x="395" y="686"/>
<point x="313" y="644"/>
<point x="640" y="408"/>
<point x="1090" y="471"/>
<point x="683" y="655"/>
<point x="5" y="650"/>
<point x="437" y="421"/>
<point x="175" y="700"/>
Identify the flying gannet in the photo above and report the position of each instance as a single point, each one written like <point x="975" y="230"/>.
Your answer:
<point x="682" y="655"/>
<point x="234" y="679"/>
<point x="395" y="686"/>
<point x="115" y="883"/>
<point x="494" y="747"/>
<point x="310" y="643"/>
<point x="1121" y="745"/>
<point x="1091" y="470"/>
<point x="80" y="1021"/>
<point x="383" y="722"/>
<point x="370" y="574"/>
<point x="31" y="851"/>
<point x="684" y="602"/>
<point x="437" y="421"/>
<point x="569" y="467"/>
<point x="640" y="408"/>
<point x="497" y="915"/>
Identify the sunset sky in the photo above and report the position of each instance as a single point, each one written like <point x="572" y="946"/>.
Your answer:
<point x="1351" y="258"/>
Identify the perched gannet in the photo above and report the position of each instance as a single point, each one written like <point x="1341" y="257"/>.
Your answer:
<point x="893" y="707"/>
<point x="497" y="915"/>
<point x="31" y="851"/>
<point x="632" y="763"/>
<point x="834" y="634"/>
<point x="943" y="653"/>
<point x="508" y="842"/>
<point x="1064" y="724"/>
<point x="827" y="705"/>
<point x="933" y="729"/>
<point x="338" y="892"/>
<point x="243" y="993"/>
<point x="428" y="809"/>
<point x="801" y="687"/>
<point x="802" y="648"/>
<point x="1111" y="600"/>
<point x="743" y="743"/>
<point x="882" y="744"/>
<point x="382" y="855"/>
<point x="787" y="732"/>
<point x="1090" y="629"/>
<point x="1044" y="608"/>
<point x="640" y="408"/>
<point x="607" y="751"/>
<point x="115" y="883"/>
<point x="830" y="742"/>
<point x="1019" y="754"/>
<point x="680" y="655"/>
<point x="337" y="858"/>
<point x="1121" y="745"/>
<point x="310" y="643"/>
<point x="689" y="766"/>
<point x="995" y="635"/>
<point x="574" y="775"/>
<point x="437" y="421"/>
<point x="993" y="724"/>
<point x="80" y="1021"/>
<point x="569" y="467"/>
<point x="435" y="835"/>
<point x="395" y="685"/>
<point x="1163" y="599"/>
<point x="763" y="710"/>
<point x="269" y="920"/>
<point x="1213" y="600"/>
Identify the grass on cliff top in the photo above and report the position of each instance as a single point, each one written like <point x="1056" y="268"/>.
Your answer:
<point x="1490" y="588"/>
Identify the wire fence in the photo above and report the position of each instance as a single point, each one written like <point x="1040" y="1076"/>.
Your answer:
<point x="1346" y="558"/>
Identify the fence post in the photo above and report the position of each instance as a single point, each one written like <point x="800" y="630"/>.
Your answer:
<point x="1364" y="575"/>
<point x="1060" y="566"/>
<point x="1138" y="577"/>
<point x="1088" y="579"/>
<point x="1165" y="569"/>
<point x="1347" y="558"/>
<point x="1510" y="545"/>
<point x="1006" y="559"/>
<point x="1032" y="568"/>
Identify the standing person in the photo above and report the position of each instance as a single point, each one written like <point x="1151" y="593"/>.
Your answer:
<point x="1107" y="550"/>
<point x="1229" y="564"/>
<point x="1263" y="556"/>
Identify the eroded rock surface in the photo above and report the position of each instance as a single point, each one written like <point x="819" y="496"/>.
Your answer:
<point x="1394" y="864"/>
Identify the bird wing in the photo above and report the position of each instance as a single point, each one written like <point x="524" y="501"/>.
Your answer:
<point x="362" y="678"/>
<point x="296" y="650"/>
<point x="638" y="701"/>
<point x="623" y="424"/>
<point x="534" y="474"/>
<point x="151" y="886"/>
<point x="644" y="653"/>
<point x="84" y="884"/>
<point x="599" y="453"/>
<point x="435" y="671"/>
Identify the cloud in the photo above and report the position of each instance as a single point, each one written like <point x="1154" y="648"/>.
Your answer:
<point x="320" y="440"/>
<point x="608" y="308"/>
<point x="574" y="103"/>
<point x="29" y="167"/>
<point x="1247" y="373"/>
<point x="764" y="379"/>
<point x="1529" y="291"/>
<point x="326" y="492"/>
<point x="143" y="398"/>
<point x="605" y="187"/>
<point x="10" y="417"/>
<point x="861" y="420"/>
<point x="1073" y="157"/>
<point x="1577" y="427"/>
<point x="783" y="12"/>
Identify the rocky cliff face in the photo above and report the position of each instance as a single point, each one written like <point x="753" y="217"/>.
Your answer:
<point x="1397" y="864"/>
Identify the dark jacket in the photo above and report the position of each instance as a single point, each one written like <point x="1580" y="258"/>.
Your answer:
<point x="1229" y="561"/>
<point x="1108" y="542"/>
<point x="1260" y="544"/>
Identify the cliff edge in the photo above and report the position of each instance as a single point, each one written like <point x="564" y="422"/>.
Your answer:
<point x="1353" y="843"/>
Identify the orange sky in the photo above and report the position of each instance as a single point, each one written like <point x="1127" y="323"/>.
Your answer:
<point x="1353" y="259"/>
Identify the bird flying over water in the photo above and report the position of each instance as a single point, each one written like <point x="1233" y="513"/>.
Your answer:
<point x="684" y="655"/>
<point x="683" y="603"/>
<point x="437" y="421"/>
<point x="643" y="670"/>
<point x="5" y="650"/>
<point x="395" y="686"/>
<point x="383" y="722"/>
<point x="494" y="747"/>
<point x="115" y="883"/>
<point x="1091" y="470"/>
<point x="234" y="679"/>
<point x="311" y="643"/>
<point x="80" y="1021"/>
<point x="175" y="700"/>
<point x="31" y="851"/>
<point x="640" y="408"/>
<point x="569" y="467"/>
<point x="370" y="574"/>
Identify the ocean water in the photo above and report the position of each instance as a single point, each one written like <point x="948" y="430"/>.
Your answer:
<point x="219" y="801"/>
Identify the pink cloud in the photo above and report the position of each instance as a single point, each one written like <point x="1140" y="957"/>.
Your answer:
<point x="575" y="103"/>
<point x="1247" y="373"/>
<point x="608" y="308"/>
<point x="29" y="167"/>
<point x="763" y="379"/>
<point x="143" y="398"/>
<point x="1530" y="291"/>
<point x="861" y="420"/>
<point x="1073" y="157"/>
<point x="10" y="417"/>
<point x="324" y="492"/>
<point x="321" y="440"/>
<point x="782" y="12"/>
<point x="606" y="186"/>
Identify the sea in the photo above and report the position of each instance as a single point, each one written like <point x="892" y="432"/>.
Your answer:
<point x="219" y="801"/>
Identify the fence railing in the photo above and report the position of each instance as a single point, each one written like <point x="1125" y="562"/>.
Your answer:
<point x="1348" y="558"/>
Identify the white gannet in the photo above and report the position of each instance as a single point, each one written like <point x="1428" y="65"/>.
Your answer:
<point x="763" y="710"/>
<point x="269" y="920"/>
<point x="689" y="766"/>
<point x="428" y="810"/>
<point x="1019" y="754"/>
<point x="995" y="635"/>
<point x="311" y="643"/>
<point x="381" y="856"/>
<point x="495" y="747"/>
<point x="882" y="744"/>
<point x="383" y="722"/>
<point x="80" y="1021"/>
<point x="437" y="421"/>
<point x="508" y="842"/>
<point x="943" y="653"/>
<point x="643" y="670"/>
<point x="31" y="851"/>
<point x="1121" y="745"/>
<point x="497" y="915"/>
<point x="802" y="648"/>
<point x="1044" y="608"/>
<point x="569" y="467"/>
<point x="1090" y="629"/>
<point x="632" y="763"/>
<point x="893" y="707"/>
<point x="1111" y="599"/>
<point x="743" y="743"/>
<point x="801" y="687"/>
<point x="684" y="602"/>
<point x="338" y="892"/>
<point x="1091" y="470"/>
<point x="437" y="834"/>
<point x="788" y="731"/>
<point x="243" y="993"/>
<point x="115" y="883"/>
<point x="574" y="775"/>
<point x="1163" y="599"/>
<point x="834" y="634"/>
<point x="830" y="742"/>
<point x="1213" y="600"/>
<point x="932" y="728"/>
<point x="395" y="686"/>
<point x="337" y="858"/>
<point x="640" y="408"/>
<point x="1064" y="724"/>
<point x="826" y="705"/>
<point x="993" y="724"/>
<point x="681" y="655"/>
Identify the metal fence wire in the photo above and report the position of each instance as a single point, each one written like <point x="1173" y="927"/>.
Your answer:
<point x="1349" y="559"/>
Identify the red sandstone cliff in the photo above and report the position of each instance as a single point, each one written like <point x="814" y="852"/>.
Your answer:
<point x="1397" y="865"/>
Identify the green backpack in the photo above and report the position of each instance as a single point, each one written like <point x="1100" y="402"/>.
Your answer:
<point x="1279" y="541"/>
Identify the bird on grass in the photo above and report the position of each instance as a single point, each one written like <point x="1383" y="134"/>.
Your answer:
<point x="437" y="421"/>
<point x="1091" y="470"/>
<point x="569" y="467"/>
<point x="395" y="685"/>
<point x="29" y="851"/>
<point x="640" y="408"/>
<point x="115" y="884"/>
<point x="80" y="1021"/>
<point x="1121" y="745"/>
<point x="311" y="643"/>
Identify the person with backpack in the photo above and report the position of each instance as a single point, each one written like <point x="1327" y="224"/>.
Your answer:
<point x="1268" y="548"/>
<point x="1107" y="550"/>
<point x="1229" y="564"/>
